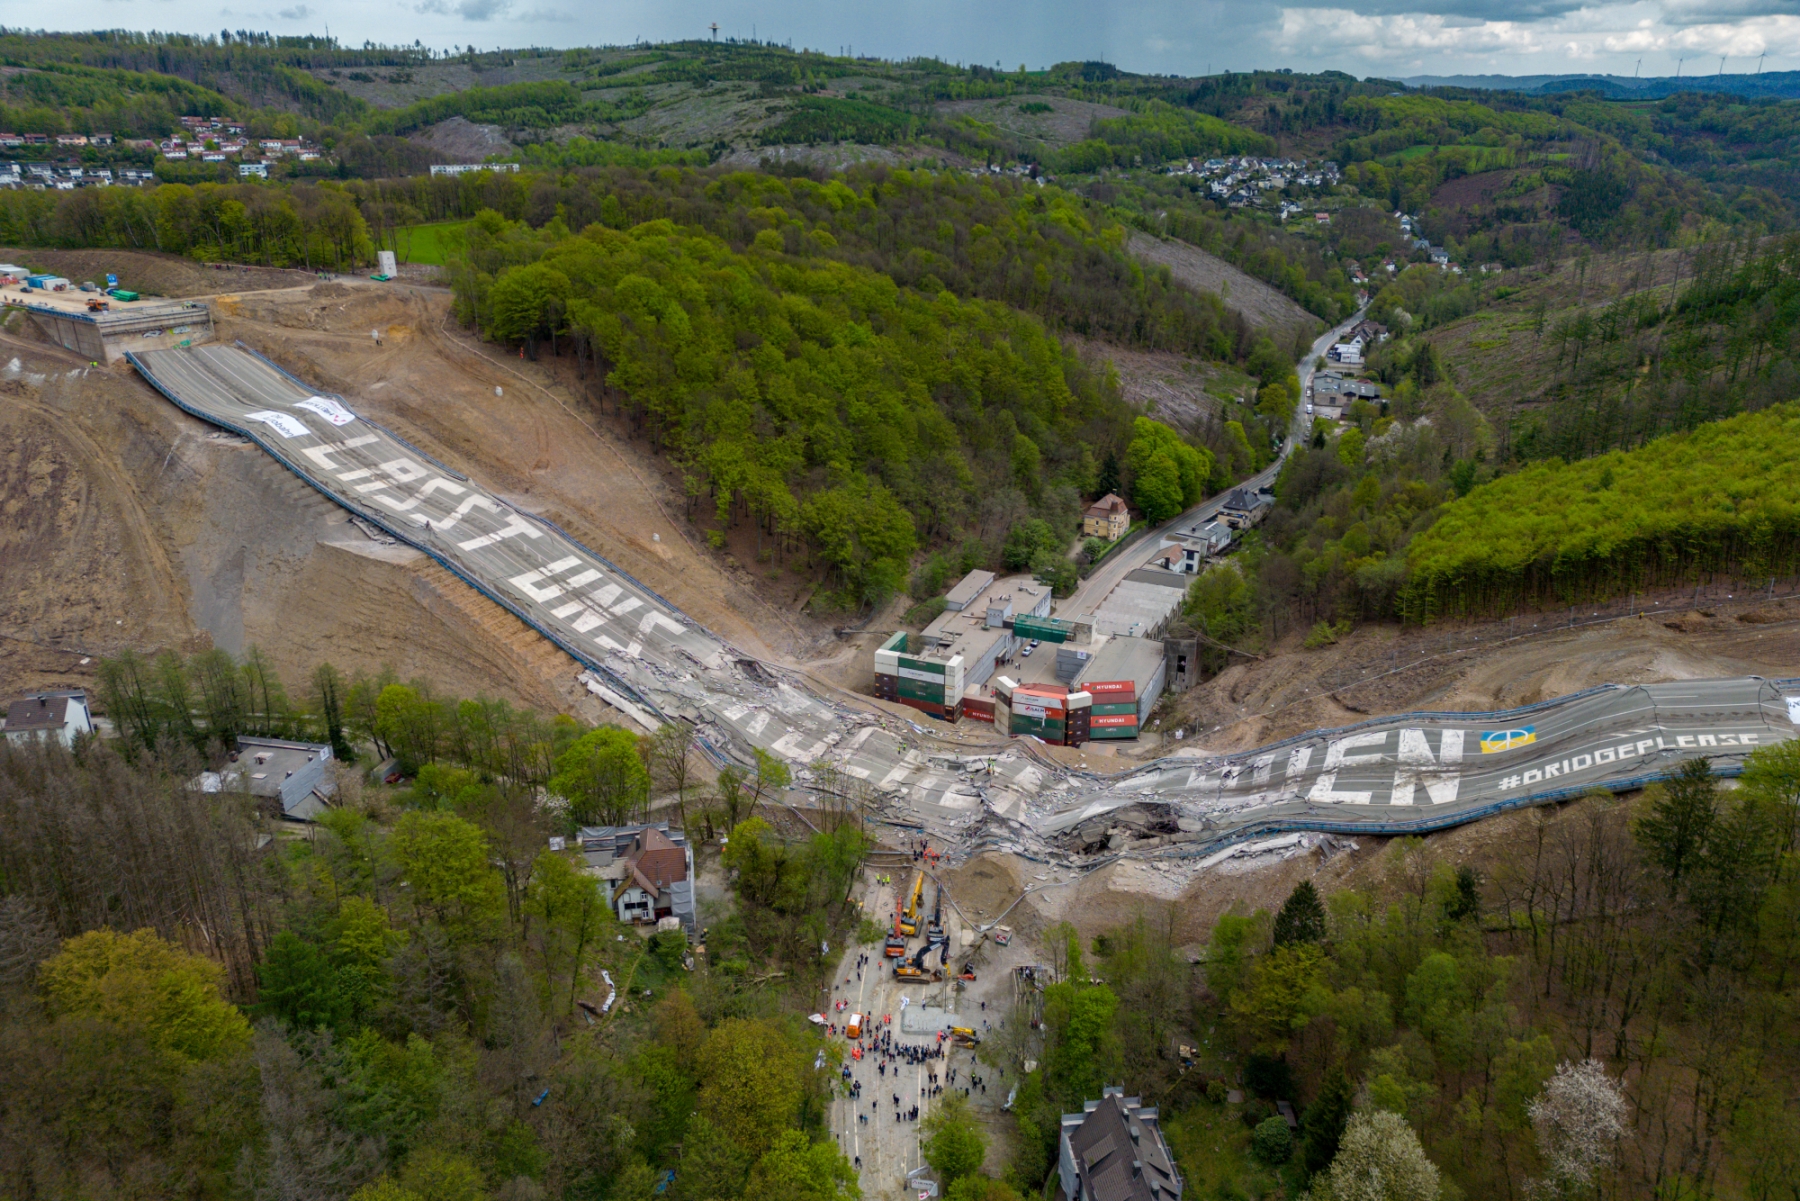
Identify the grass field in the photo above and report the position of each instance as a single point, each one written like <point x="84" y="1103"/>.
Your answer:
<point x="431" y="244"/>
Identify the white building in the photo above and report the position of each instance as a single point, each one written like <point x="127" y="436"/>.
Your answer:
<point x="59" y="715"/>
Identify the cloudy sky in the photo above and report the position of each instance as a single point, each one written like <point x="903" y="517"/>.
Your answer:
<point x="1364" y="37"/>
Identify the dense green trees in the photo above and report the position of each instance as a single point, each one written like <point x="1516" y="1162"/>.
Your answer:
<point x="1718" y="499"/>
<point x="952" y="1143"/>
<point x="603" y="778"/>
<point x="316" y="227"/>
<point x="813" y="399"/>
<point x="1168" y="474"/>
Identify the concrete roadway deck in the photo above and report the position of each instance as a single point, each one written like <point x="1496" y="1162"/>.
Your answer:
<point x="1403" y="774"/>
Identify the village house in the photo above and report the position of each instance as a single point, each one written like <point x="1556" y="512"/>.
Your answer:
<point x="1244" y="508"/>
<point x="1106" y="518"/>
<point x="1114" y="1151"/>
<point x="651" y="869"/>
<point x="60" y="715"/>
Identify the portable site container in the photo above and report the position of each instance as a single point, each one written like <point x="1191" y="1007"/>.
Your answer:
<point x="1044" y="629"/>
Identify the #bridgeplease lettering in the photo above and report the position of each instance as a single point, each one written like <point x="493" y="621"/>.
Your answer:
<point x="1622" y="752"/>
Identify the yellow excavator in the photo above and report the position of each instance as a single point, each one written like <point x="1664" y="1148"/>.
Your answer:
<point x="909" y="921"/>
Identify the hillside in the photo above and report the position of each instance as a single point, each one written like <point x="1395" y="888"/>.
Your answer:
<point x="1261" y="305"/>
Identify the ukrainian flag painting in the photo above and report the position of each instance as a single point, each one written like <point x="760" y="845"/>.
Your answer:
<point x="1493" y="741"/>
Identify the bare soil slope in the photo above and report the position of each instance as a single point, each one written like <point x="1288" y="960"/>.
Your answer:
<point x="536" y="442"/>
<point x="153" y="272"/>
<point x="1260" y="304"/>
<point x="1182" y="391"/>
<point x="132" y="525"/>
<point x="1481" y="666"/>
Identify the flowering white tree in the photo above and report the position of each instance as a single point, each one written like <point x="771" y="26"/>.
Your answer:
<point x="1378" y="1159"/>
<point x="1579" y="1119"/>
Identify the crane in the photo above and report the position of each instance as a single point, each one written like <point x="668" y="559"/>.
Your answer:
<point x="909" y="921"/>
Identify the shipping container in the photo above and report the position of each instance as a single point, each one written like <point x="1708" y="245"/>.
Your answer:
<point x="1120" y="719"/>
<point x="1108" y="687"/>
<point x="974" y="714"/>
<point x="1038" y="712"/>
<point x="1044" y="629"/>
<point x="1100" y="732"/>
<point x="1033" y="725"/>
<point x="1113" y="709"/>
<point x="918" y="691"/>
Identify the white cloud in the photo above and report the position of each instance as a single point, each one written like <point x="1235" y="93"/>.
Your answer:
<point x="1401" y="36"/>
<point x="1600" y="37"/>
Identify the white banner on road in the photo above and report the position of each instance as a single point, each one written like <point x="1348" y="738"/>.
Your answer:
<point x="327" y="408"/>
<point x="285" y="424"/>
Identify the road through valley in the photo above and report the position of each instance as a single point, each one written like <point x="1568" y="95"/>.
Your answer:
<point x="964" y="787"/>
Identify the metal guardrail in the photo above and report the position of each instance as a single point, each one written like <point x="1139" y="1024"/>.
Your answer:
<point x="378" y="521"/>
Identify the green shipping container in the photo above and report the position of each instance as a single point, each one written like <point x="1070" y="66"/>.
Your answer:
<point x="1044" y="629"/>
<point x="1117" y="709"/>
<point x="1050" y="730"/>
<point x="911" y="691"/>
<point x="1099" y="732"/>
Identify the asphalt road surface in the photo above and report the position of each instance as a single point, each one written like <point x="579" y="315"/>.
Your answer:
<point x="1087" y="597"/>
<point x="1405" y="773"/>
<point x="961" y="786"/>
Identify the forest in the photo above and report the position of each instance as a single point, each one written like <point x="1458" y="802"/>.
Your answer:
<point x="1715" y="501"/>
<point x="834" y="410"/>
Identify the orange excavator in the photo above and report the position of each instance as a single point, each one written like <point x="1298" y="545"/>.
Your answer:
<point x="896" y="945"/>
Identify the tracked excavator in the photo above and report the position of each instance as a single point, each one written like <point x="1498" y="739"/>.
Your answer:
<point x="896" y="945"/>
<point x="934" y="933"/>
<point x="914" y="971"/>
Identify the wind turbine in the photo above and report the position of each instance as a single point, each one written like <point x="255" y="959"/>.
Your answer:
<point x="1678" y="63"/>
<point x="1636" y="69"/>
<point x="1721" y="64"/>
<point x="1759" y="61"/>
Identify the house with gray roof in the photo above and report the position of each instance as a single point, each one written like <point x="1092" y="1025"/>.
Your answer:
<point x="1114" y="1151"/>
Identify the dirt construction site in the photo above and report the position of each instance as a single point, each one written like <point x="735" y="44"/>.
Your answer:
<point x="131" y="524"/>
